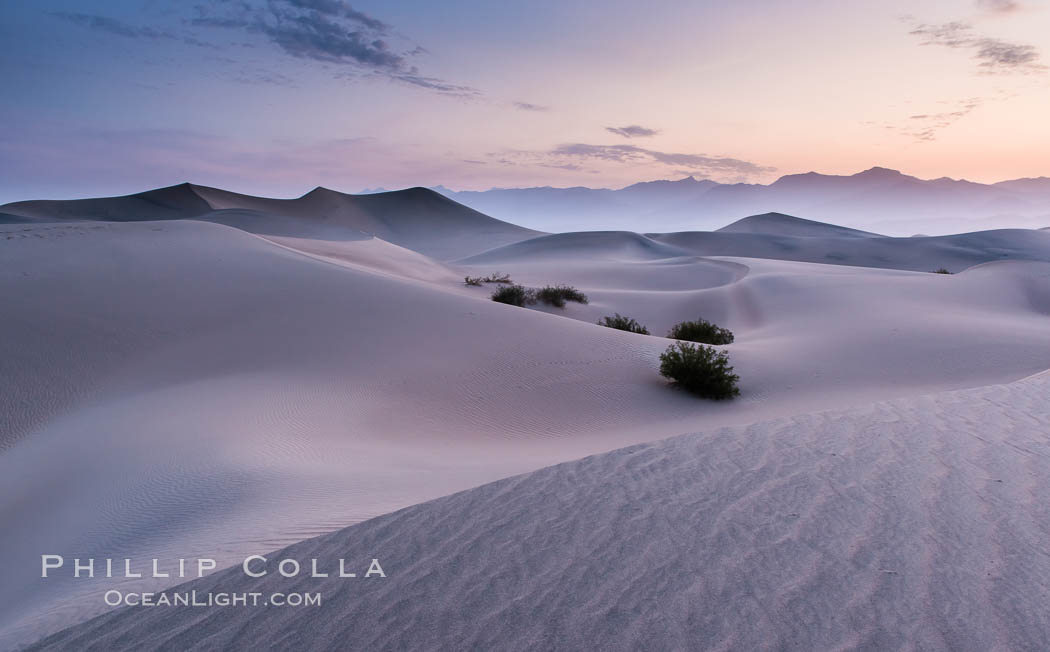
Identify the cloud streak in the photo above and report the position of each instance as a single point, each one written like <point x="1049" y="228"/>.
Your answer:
<point x="633" y="131"/>
<point x="993" y="56"/>
<point x="527" y="106"/>
<point x="924" y="127"/>
<point x="999" y="6"/>
<point x="110" y="25"/>
<point x="572" y="156"/>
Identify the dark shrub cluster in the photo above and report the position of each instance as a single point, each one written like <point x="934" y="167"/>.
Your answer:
<point x="515" y="295"/>
<point x="491" y="278"/>
<point x="699" y="369"/>
<point x="557" y="295"/>
<point x="941" y="270"/>
<point x="622" y="323"/>
<point x="701" y="331"/>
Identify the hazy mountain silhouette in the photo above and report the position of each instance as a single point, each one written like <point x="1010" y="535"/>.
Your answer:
<point x="878" y="199"/>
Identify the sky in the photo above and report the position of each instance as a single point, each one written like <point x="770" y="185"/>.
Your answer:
<point x="276" y="97"/>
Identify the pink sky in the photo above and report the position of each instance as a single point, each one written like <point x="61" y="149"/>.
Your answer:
<point x="133" y="95"/>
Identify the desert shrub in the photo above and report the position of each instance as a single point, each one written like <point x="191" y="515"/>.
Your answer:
<point x="699" y="369"/>
<point x="557" y="295"/>
<point x="515" y="295"/>
<point x="497" y="278"/>
<point x="941" y="270"/>
<point x="473" y="280"/>
<point x="701" y="331"/>
<point x="622" y="323"/>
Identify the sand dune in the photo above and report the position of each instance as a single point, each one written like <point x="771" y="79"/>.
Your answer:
<point x="954" y="252"/>
<point x="255" y="391"/>
<point x="782" y="237"/>
<point x="780" y="224"/>
<point x="914" y="523"/>
<point x="417" y="218"/>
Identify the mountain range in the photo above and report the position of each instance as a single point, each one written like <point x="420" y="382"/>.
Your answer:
<point x="878" y="199"/>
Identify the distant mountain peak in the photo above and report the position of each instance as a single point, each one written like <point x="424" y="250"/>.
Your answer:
<point x="883" y="174"/>
<point x="880" y="171"/>
<point x="683" y="182"/>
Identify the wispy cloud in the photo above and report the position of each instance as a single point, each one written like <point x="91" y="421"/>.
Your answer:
<point x="115" y="27"/>
<point x="633" y="131"/>
<point x="993" y="55"/>
<point x="925" y="127"/>
<point x="111" y="25"/>
<point x="999" y="6"/>
<point x="570" y="156"/>
<point x="528" y="106"/>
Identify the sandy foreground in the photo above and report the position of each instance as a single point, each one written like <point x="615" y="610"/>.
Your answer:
<point x="195" y="373"/>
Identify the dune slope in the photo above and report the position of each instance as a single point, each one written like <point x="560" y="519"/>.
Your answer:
<point x="910" y="523"/>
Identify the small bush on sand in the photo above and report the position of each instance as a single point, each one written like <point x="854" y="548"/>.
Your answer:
<point x="557" y="295"/>
<point x="941" y="270"/>
<point x="515" y="295"/>
<point x="699" y="369"/>
<point x="473" y="280"/>
<point x="497" y="278"/>
<point x="701" y="331"/>
<point x="622" y="323"/>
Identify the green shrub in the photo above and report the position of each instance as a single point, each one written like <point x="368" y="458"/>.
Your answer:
<point x="941" y="270"/>
<point x="557" y="295"/>
<point x="472" y="280"/>
<point x="701" y="331"/>
<point x="622" y="323"/>
<point x="515" y="295"/>
<point x="699" y="369"/>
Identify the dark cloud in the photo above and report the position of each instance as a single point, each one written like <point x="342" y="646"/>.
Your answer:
<point x="633" y="131"/>
<point x="337" y="8"/>
<point x="641" y="155"/>
<point x="994" y="56"/>
<point x="328" y="31"/>
<point x="323" y="30"/>
<point x="526" y="106"/>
